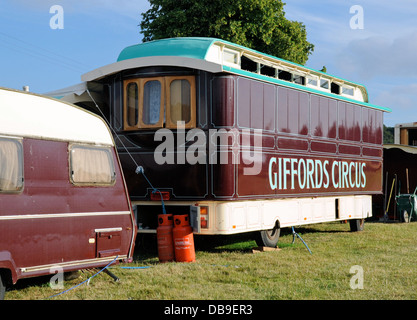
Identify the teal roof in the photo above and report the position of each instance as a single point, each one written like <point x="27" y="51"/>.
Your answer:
<point x="191" y="47"/>
<point x="184" y="47"/>
<point x="198" y="47"/>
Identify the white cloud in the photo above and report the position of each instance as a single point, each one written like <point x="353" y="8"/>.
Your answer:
<point x="379" y="56"/>
<point x="402" y="99"/>
<point x="382" y="56"/>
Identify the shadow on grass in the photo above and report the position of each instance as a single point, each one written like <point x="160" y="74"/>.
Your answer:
<point x="22" y="284"/>
<point x="313" y="229"/>
<point x="226" y="243"/>
<point x="146" y="249"/>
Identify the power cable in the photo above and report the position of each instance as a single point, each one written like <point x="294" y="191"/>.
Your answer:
<point x="87" y="280"/>
<point x="38" y="52"/>
<point x="139" y="169"/>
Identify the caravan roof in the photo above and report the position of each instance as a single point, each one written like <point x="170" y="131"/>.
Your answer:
<point x="47" y="118"/>
<point x="220" y="56"/>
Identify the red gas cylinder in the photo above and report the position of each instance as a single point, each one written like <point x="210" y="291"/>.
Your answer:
<point x="164" y="238"/>
<point x="183" y="239"/>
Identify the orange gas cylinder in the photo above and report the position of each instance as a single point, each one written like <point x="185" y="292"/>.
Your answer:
<point x="183" y="239"/>
<point x="164" y="238"/>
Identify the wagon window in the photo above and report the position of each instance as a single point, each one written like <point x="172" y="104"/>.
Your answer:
<point x="347" y="90"/>
<point x="151" y="102"/>
<point x="299" y="79"/>
<point x="248" y="64"/>
<point x="181" y="101"/>
<point x="132" y="104"/>
<point x="11" y="166"/>
<point x="324" y="83"/>
<point x="159" y="102"/>
<point x="91" y="165"/>
<point x="312" y="81"/>
<point x="230" y="57"/>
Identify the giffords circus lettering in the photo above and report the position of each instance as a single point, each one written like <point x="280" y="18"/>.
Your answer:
<point x="300" y="173"/>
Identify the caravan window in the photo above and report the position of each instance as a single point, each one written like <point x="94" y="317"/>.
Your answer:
<point x="159" y="102"/>
<point x="180" y="101"/>
<point x="132" y="106"/>
<point x="152" y="91"/>
<point x="91" y="165"/>
<point x="11" y="165"/>
<point x="324" y="83"/>
<point x="230" y="57"/>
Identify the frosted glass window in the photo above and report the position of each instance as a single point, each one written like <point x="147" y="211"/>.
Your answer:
<point x="11" y="166"/>
<point x="91" y="165"/>
<point x="151" y="102"/>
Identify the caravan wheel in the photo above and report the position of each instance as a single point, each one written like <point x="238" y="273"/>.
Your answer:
<point x="268" y="238"/>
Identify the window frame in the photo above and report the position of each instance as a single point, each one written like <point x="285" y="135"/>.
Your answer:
<point x="126" y="125"/>
<point x="126" y="119"/>
<point x="141" y="87"/>
<point x="312" y="81"/>
<point x="227" y="53"/>
<point x="165" y="107"/>
<point x="168" y="122"/>
<point x="140" y="83"/>
<point x="108" y="149"/>
<point x="20" y="159"/>
<point x="345" y="90"/>
<point x="324" y="84"/>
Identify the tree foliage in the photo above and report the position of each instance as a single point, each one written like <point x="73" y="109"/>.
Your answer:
<point x="260" y="25"/>
<point x="388" y="134"/>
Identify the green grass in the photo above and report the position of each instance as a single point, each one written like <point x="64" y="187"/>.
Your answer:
<point x="226" y="268"/>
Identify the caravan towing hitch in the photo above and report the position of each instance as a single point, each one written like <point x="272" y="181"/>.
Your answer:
<point x="111" y="274"/>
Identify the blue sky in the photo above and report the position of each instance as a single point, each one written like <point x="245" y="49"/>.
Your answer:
<point x="382" y="55"/>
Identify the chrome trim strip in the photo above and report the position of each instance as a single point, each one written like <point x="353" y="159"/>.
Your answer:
<point x="81" y="263"/>
<point x="63" y="215"/>
<point x="108" y="229"/>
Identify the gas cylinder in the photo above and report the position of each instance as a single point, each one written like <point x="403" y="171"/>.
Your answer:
<point x="183" y="239"/>
<point x="164" y="237"/>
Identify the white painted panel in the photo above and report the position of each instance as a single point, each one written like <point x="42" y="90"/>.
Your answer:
<point x="330" y="209"/>
<point x="254" y="214"/>
<point x="30" y="115"/>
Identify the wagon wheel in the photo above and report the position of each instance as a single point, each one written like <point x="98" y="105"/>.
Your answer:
<point x="268" y="238"/>
<point x="357" y="224"/>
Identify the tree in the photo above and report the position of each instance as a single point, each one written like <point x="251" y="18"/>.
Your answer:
<point x="260" y="25"/>
<point x="388" y="134"/>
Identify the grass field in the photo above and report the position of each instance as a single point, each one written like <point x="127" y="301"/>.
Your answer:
<point x="226" y="268"/>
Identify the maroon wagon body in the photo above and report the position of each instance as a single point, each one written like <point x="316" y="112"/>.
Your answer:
<point x="52" y="223"/>
<point x="275" y="137"/>
<point x="343" y="140"/>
